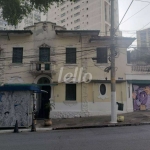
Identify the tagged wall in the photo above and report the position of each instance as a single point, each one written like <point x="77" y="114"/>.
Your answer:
<point x="14" y="106"/>
<point x="141" y="97"/>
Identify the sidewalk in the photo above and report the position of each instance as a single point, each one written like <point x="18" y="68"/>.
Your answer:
<point x="131" y="119"/>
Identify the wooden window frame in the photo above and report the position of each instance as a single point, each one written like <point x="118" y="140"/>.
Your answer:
<point x="71" y="91"/>
<point x="102" y="59"/>
<point x="14" y="57"/>
<point x="69" y="60"/>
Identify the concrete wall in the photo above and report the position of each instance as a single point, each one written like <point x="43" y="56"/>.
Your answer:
<point x="15" y="106"/>
<point x="97" y="104"/>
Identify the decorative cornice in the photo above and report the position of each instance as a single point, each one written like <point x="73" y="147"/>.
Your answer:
<point x="45" y="45"/>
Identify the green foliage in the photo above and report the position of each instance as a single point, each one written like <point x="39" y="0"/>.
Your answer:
<point x="140" y="56"/>
<point x="13" y="11"/>
<point x="49" y="106"/>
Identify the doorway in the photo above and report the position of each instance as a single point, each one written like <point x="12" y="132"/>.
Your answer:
<point x="43" y="98"/>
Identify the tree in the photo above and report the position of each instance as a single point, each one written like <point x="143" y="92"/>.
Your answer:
<point x="13" y="11"/>
<point x="140" y="56"/>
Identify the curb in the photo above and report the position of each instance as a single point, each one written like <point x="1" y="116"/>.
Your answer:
<point x="77" y="127"/>
<point x="25" y="130"/>
<point x="102" y="126"/>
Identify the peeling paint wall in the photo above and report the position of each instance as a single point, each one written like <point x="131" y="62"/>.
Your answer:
<point x="15" y="106"/>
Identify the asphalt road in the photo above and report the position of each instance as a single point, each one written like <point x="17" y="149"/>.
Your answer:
<point x="116" y="138"/>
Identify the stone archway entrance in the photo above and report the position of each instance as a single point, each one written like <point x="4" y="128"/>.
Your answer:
<point x="43" y="98"/>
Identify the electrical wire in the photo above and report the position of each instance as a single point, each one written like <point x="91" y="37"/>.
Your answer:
<point x="124" y="15"/>
<point x="136" y="13"/>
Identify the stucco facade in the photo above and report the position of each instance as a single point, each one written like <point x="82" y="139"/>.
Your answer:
<point x="89" y="100"/>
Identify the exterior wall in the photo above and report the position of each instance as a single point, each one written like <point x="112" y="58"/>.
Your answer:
<point x="15" y="106"/>
<point x="101" y="104"/>
<point x="97" y="103"/>
<point x="92" y="15"/>
<point x="44" y="34"/>
<point x="129" y="97"/>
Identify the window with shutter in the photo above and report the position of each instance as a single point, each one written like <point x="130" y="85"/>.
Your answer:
<point x="101" y="55"/>
<point x="71" y="92"/>
<point x="17" y="55"/>
<point x="70" y="55"/>
<point x="44" y="56"/>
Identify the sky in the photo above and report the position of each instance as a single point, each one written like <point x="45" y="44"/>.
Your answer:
<point x="138" y="21"/>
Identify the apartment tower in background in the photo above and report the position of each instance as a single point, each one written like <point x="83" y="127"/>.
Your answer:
<point x="84" y="15"/>
<point x="143" y="38"/>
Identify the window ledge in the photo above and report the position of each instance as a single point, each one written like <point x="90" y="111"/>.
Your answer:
<point x="129" y="64"/>
<point x="16" y="64"/>
<point x="102" y="64"/>
<point x="70" y="102"/>
<point x="70" y="65"/>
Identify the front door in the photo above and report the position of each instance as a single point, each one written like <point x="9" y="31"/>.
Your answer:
<point x="43" y="98"/>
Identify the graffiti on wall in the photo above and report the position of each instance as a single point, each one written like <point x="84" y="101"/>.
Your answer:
<point x="14" y="106"/>
<point x="141" y="97"/>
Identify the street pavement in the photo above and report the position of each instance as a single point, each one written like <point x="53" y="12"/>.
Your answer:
<point x="113" y="138"/>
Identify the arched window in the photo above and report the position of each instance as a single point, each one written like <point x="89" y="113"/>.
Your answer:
<point x="43" y="80"/>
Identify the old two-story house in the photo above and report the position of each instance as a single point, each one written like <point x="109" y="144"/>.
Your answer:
<point x="72" y="66"/>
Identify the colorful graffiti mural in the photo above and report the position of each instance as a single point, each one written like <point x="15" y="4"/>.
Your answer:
<point x="14" y="106"/>
<point x="141" y="97"/>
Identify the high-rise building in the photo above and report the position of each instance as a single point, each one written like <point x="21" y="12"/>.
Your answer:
<point x="32" y="18"/>
<point x="84" y="15"/>
<point x="143" y="38"/>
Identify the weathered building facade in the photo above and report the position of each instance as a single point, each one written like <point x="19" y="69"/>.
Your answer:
<point x="69" y="65"/>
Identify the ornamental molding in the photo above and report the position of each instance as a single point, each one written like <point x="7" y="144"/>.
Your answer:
<point x="105" y="96"/>
<point x="45" y="26"/>
<point x="44" y="45"/>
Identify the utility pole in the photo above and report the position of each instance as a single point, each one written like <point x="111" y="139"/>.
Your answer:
<point x="113" y="72"/>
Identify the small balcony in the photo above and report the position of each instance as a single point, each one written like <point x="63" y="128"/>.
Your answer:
<point x="38" y="67"/>
<point x="141" y="68"/>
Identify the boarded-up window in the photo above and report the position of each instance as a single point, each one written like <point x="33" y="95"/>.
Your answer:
<point x="101" y="55"/>
<point x="71" y="92"/>
<point x="70" y="55"/>
<point x="17" y="55"/>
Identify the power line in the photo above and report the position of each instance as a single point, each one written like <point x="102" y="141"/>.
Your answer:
<point x="135" y="13"/>
<point x="124" y="15"/>
<point x="143" y="1"/>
